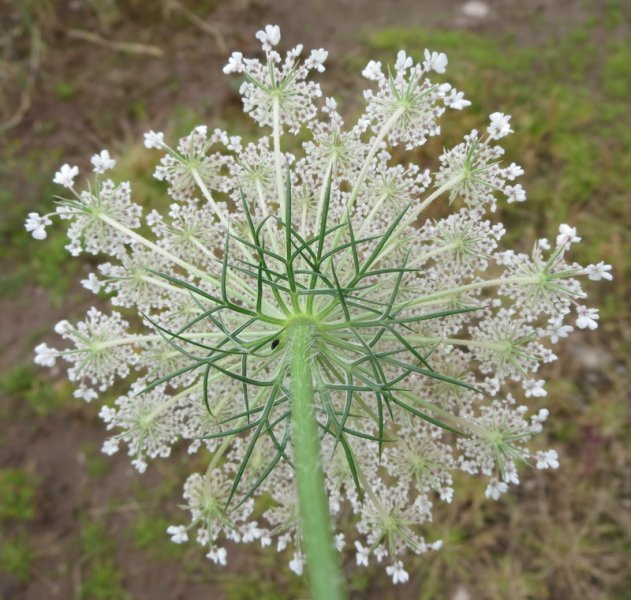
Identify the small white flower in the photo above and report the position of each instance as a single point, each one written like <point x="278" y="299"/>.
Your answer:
<point x="251" y="532"/>
<point x="495" y="489"/>
<point x="154" y="139"/>
<point x="567" y="235"/>
<point x="437" y="545"/>
<point x="102" y="162"/>
<point x="62" y="327"/>
<point x="404" y="61"/>
<point x="235" y="63"/>
<point x="269" y="37"/>
<point x="380" y="552"/>
<point x="201" y="130"/>
<point x="587" y="318"/>
<point x="316" y="60"/>
<point x="85" y="393"/>
<point x="282" y="542"/>
<point x="499" y="127"/>
<point x="295" y="52"/>
<point x="534" y="388"/>
<point x="542" y="415"/>
<point x="437" y="61"/>
<point x="446" y="494"/>
<point x="297" y="563"/>
<point x="37" y="224"/>
<point x="340" y="540"/>
<point x="547" y="460"/>
<point x="373" y="70"/>
<point x="45" y="356"/>
<point x="139" y="464"/>
<point x="510" y="474"/>
<point x="107" y="413"/>
<point x="202" y="537"/>
<point x="558" y="330"/>
<point x="65" y="176"/>
<point x="456" y="100"/>
<point x="599" y="271"/>
<point x="513" y="170"/>
<point x="397" y="572"/>
<point x="362" y="554"/>
<point x="110" y="446"/>
<point x="178" y="534"/>
<point x="218" y="556"/>
<point x="330" y="105"/>
<point x="92" y="283"/>
<point x="515" y="193"/>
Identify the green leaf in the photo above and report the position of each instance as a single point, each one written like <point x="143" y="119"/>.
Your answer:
<point x="255" y="436"/>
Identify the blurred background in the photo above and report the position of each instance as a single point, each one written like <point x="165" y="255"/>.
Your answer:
<point x="82" y="75"/>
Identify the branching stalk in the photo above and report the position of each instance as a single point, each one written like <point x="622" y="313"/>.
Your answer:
<point x="280" y="189"/>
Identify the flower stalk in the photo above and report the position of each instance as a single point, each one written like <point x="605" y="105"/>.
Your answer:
<point x="315" y="521"/>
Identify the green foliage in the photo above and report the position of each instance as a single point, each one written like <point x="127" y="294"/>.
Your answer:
<point x="104" y="582"/>
<point x="16" y="557"/>
<point x="17" y="495"/>
<point x="149" y="535"/>
<point x="18" y="380"/>
<point x="34" y="395"/>
<point x="94" y="543"/>
<point x="617" y="71"/>
<point x="102" y="579"/>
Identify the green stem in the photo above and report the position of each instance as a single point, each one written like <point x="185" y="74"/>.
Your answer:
<point x="315" y="521"/>
<point x="278" y="167"/>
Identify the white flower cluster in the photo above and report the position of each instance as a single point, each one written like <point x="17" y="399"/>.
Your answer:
<point x="406" y="106"/>
<point x="472" y="170"/>
<point x="421" y="332"/>
<point x="276" y="91"/>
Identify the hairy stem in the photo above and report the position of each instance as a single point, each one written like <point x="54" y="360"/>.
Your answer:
<point x="315" y="522"/>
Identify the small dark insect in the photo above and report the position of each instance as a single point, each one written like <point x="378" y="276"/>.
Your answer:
<point x="275" y="343"/>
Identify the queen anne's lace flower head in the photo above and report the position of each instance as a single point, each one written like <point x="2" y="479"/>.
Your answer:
<point x="96" y="356"/>
<point x="472" y="171"/>
<point x="418" y="328"/>
<point x="192" y="160"/>
<point x="406" y="106"/>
